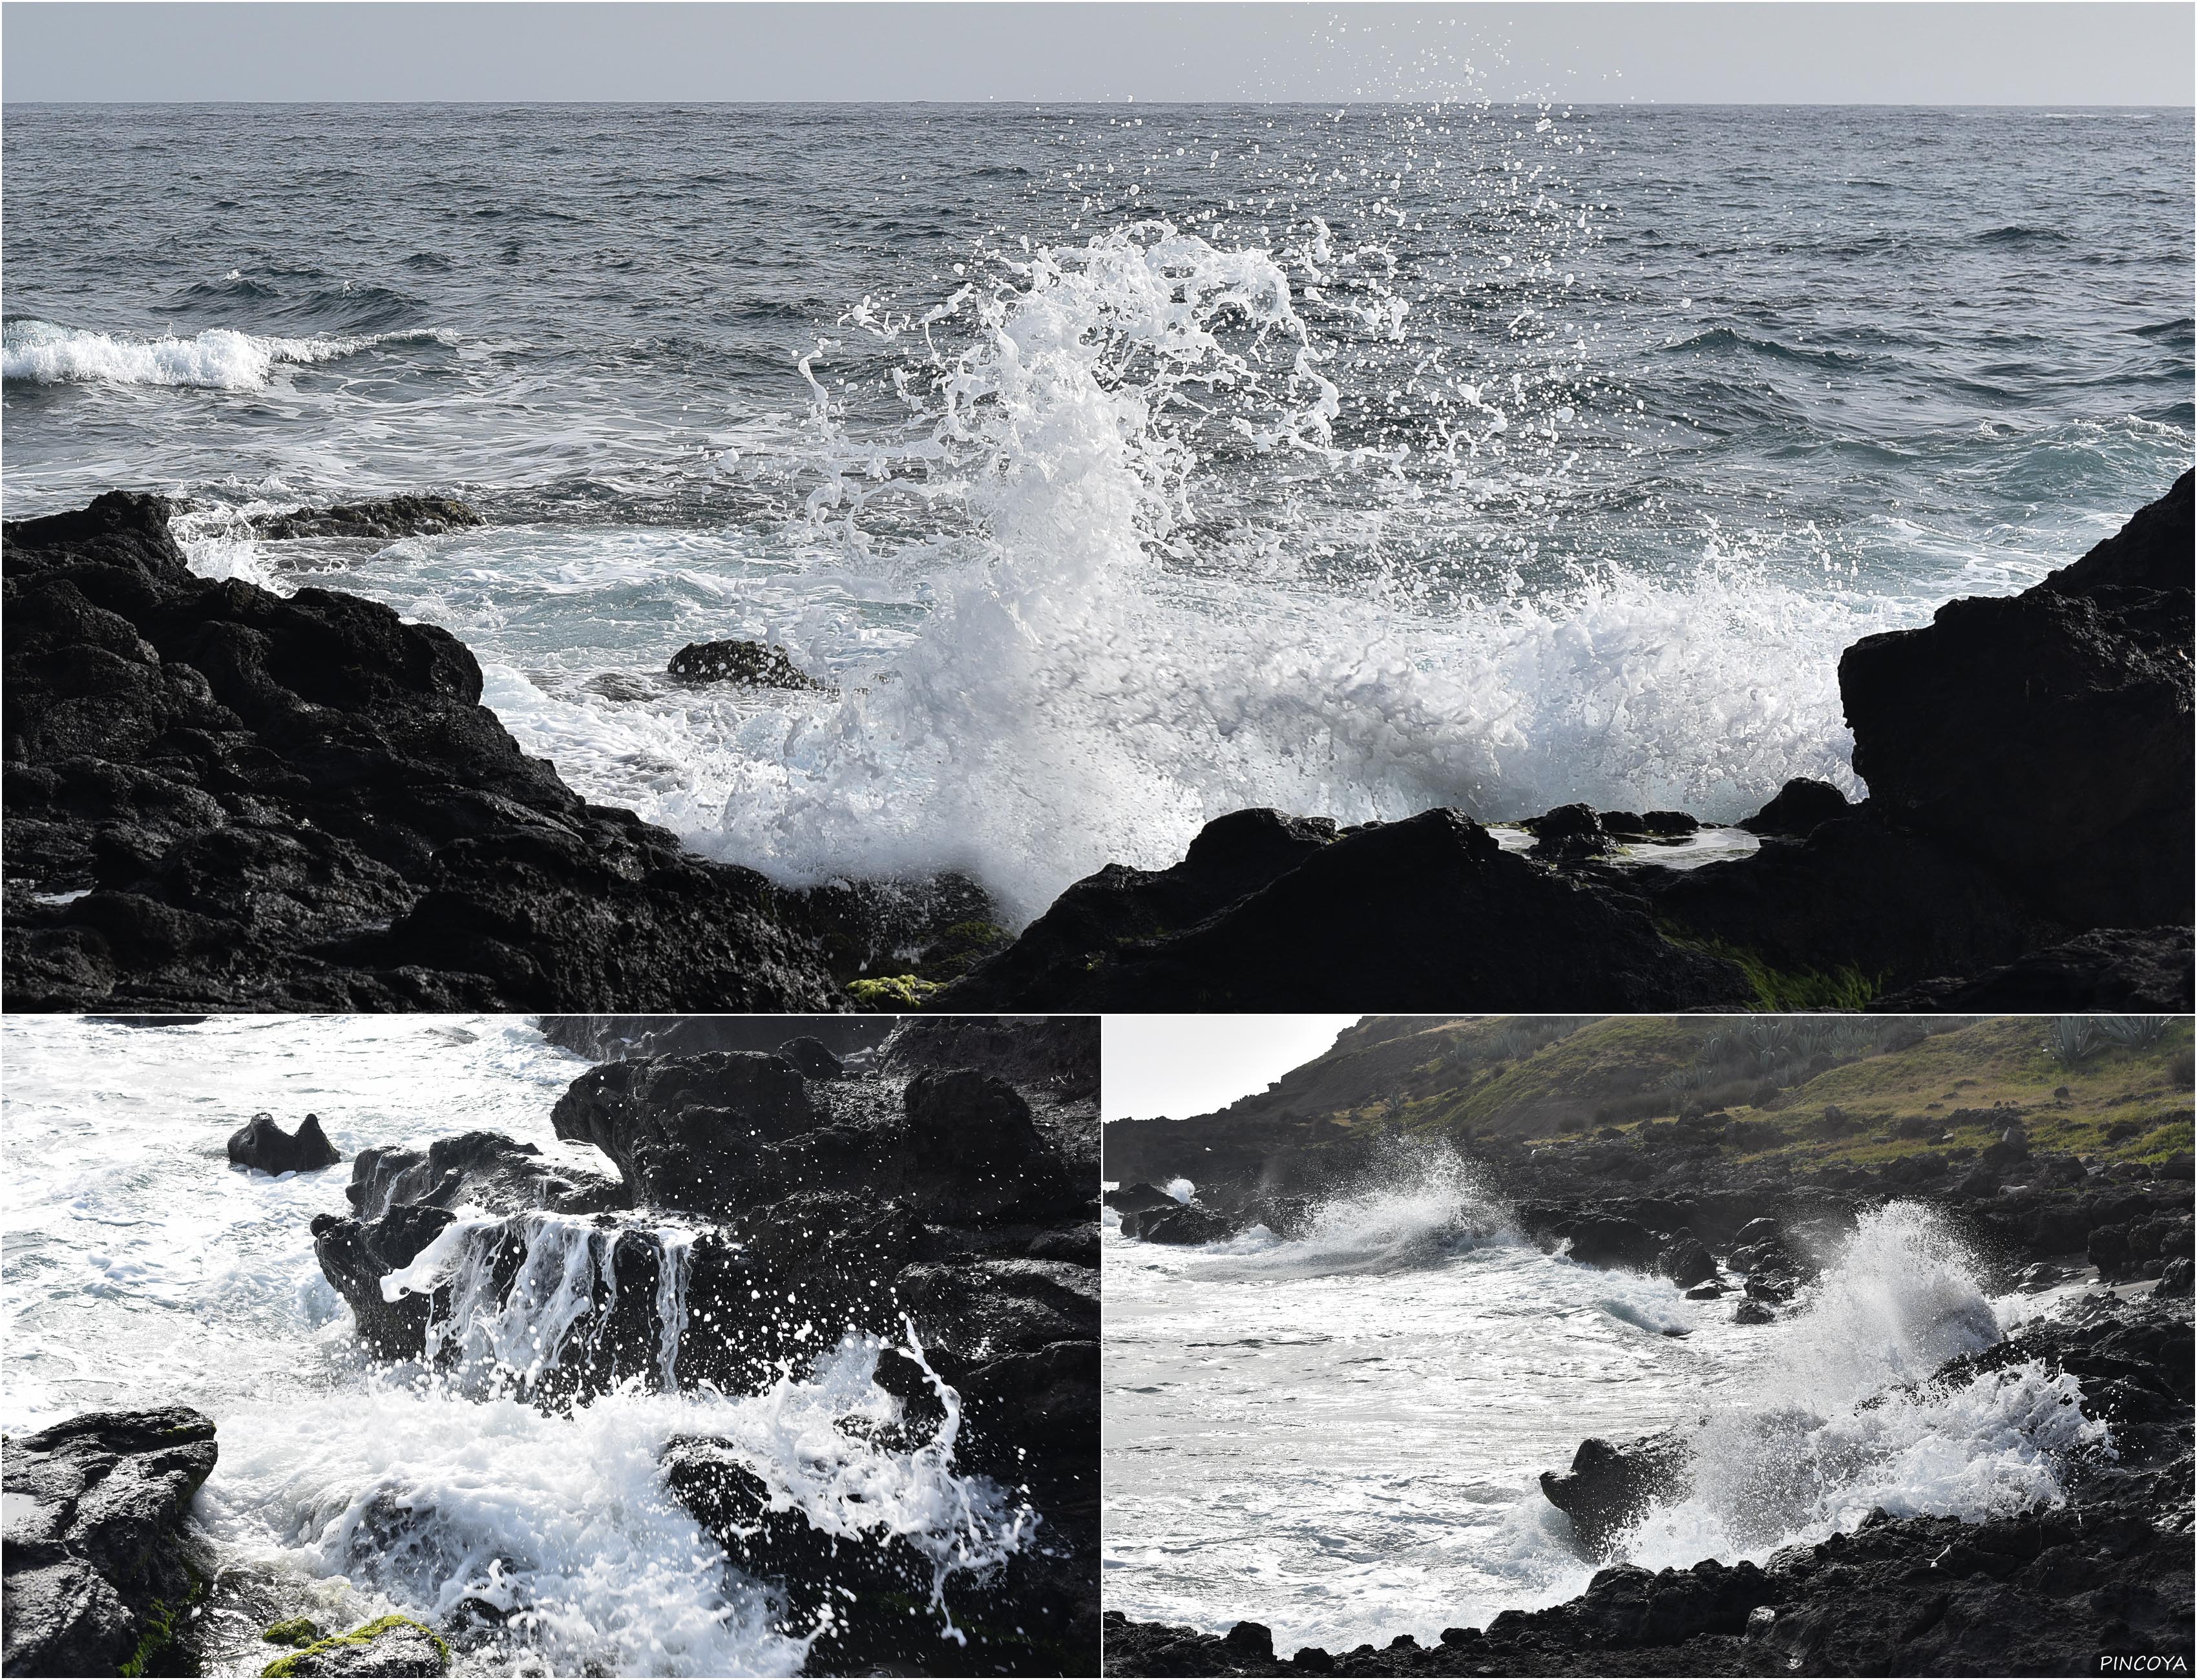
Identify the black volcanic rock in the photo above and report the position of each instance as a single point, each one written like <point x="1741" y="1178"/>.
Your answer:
<point x="1802" y="806"/>
<point x="936" y="1201"/>
<point x="2137" y="970"/>
<point x="1610" y="1487"/>
<point x="272" y="802"/>
<point x="98" y="1574"/>
<point x="484" y="1169"/>
<point x="1417" y="914"/>
<point x="385" y="520"/>
<point x="749" y="665"/>
<point x="614" y="1038"/>
<point x="261" y="1143"/>
<point x="2049" y="734"/>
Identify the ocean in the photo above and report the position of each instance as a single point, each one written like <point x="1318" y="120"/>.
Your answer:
<point x="143" y="1269"/>
<point x="1341" y="1436"/>
<point x="1120" y="467"/>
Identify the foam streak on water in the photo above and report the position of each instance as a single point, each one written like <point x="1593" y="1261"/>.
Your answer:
<point x="1341" y="1435"/>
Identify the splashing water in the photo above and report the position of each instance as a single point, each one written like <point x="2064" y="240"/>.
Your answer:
<point x="1423" y="1206"/>
<point x="143" y="1269"/>
<point x="1844" y="1419"/>
<point x="1091" y="689"/>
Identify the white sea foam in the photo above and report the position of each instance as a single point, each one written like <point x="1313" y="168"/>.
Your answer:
<point x="1844" y="1418"/>
<point x="143" y="1269"/>
<point x="1087" y="688"/>
<point x="219" y="358"/>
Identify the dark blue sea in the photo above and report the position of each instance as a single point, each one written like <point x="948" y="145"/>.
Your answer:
<point x="1119" y="466"/>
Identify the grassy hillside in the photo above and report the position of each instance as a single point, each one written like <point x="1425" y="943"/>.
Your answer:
<point x="1848" y="1090"/>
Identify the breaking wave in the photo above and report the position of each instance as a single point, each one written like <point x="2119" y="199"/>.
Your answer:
<point x="219" y="358"/>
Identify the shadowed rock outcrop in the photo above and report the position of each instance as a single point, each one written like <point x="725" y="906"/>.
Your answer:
<point x="764" y="1211"/>
<point x="262" y="1144"/>
<point x="220" y="797"/>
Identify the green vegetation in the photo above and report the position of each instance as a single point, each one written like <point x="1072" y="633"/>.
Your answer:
<point x="297" y="1631"/>
<point x="1838" y="1090"/>
<point x="894" y="992"/>
<point x="283" y="1668"/>
<point x="158" y="1640"/>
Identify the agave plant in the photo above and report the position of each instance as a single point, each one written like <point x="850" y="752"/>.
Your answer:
<point x="2135" y="1032"/>
<point x="2069" y="1039"/>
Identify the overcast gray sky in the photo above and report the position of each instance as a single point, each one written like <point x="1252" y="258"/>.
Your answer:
<point x="1899" y="53"/>
<point x="1181" y="1065"/>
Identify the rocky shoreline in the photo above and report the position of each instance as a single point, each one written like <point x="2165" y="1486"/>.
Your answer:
<point x="218" y="798"/>
<point x="2107" y="1571"/>
<point x="2047" y="1591"/>
<point x="932" y="1197"/>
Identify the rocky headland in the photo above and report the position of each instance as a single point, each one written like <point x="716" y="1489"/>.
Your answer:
<point x="221" y="797"/>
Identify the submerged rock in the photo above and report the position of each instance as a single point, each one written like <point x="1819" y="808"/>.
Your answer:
<point x="749" y="664"/>
<point x="385" y="520"/>
<point x="96" y="1570"/>
<point x="262" y="1144"/>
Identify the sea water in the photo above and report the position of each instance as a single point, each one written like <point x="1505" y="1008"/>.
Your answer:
<point x="1341" y="1435"/>
<point x="142" y="1269"/>
<point x="1120" y="466"/>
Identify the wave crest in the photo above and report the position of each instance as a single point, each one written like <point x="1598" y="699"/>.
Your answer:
<point x="220" y="358"/>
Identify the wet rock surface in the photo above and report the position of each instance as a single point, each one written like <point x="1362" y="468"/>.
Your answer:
<point x="97" y="1565"/>
<point x="2026" y="844"/>
<point x="263" y="1145"/>
<point x="221" y="797"/>
<point x="391" y="1647"/>
<point x="384" y="521"/>
<point x="947" y="1191"/>
<point x="748" y="664"/>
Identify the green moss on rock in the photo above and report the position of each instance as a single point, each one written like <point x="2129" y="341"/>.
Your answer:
<point x="297" y="1631"/>
<point x="302" y="1663"/>
<point x="894" y="992"/>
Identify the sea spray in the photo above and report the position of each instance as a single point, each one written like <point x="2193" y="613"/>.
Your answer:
<point x="417" y="1500"/>
<point x="1843" y="1416"/>
<point x="1093" y="681"/>
<point x="1415" y="1204"/>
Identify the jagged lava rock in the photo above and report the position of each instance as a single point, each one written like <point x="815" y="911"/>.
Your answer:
<point x="2049" y="732"/>
<point x="1427" y="912"/>
<point x="94" y="1557"/>
<point x="385" y="520"/>
<point x="298" y="802"/>
<point x="261" y="1143"/>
